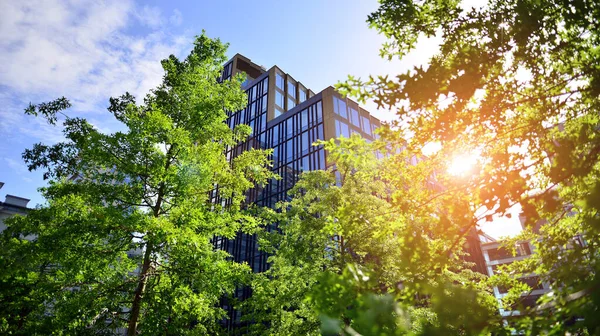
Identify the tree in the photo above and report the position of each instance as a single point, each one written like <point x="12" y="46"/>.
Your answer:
<point x="518" y="81"/>
<point x="365" y="255"/>
<point x="127" y="242"/>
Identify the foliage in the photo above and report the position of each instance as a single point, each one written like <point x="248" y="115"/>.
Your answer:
<point x="364" y="255"/>
<point x="125" y="238"/>
<point x="518" y="81"/>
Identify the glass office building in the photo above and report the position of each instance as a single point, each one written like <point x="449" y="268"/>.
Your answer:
<point x="287" y="117"/>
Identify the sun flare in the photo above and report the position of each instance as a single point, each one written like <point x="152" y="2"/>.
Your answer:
<point x="463" y="164"/>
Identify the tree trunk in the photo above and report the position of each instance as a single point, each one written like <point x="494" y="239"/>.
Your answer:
<point x="134" y="315"/>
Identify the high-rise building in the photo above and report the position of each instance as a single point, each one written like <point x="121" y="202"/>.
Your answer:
<point x="288" y="117"/>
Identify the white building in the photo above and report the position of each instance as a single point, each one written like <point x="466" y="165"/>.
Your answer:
<point x="495" y="255"/>
<point x="11" y="206"/>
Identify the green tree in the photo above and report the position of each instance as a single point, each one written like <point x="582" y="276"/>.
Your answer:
<point x="518" y="81"/>
<point x="127" y="243"/>
<point x="366" y="255"/>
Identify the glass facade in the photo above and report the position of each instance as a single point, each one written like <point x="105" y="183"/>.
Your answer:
<point x="291" y="136"/>
<point x="226" y="73"/>
<point x="291" y="139"/>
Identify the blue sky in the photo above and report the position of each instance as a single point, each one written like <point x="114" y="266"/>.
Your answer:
<point x="89" y="51"/>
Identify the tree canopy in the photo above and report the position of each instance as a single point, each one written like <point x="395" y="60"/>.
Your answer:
<point x="124" y="241"/>
<point x="365" y="254"/>
<point x="517" y="81"/>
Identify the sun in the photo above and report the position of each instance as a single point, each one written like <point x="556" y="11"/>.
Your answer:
<point x="463" y="164"/>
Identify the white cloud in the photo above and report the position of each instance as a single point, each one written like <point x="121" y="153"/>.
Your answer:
<point x="150" y="16"/>
<point x="18" y="167"/>
<point x="78" y="49"/>
<point x="176" y="18"/>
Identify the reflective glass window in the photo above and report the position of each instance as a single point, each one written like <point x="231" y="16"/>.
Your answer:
<point x="275" y="135"/>
<point x="339" y="107"/>
<point x="292" y="89"/>
<point x="289" y="128"/>
<point x="291" y="103"/>
<point x="279" y="99"/>
<point x="342" y="129"/>
<point x="289" y="149"/>
<point x="304" y="119"/>
<point x="279" y="81"/>
<point x="251" y="110"/>
<point x="321" y="159"/>
<point x="366" y="125"/>
<point x="278" y="112"/>
<point x="263" y="122"/>
<point x="354" y="117"/>
<point x="275" y="154"/>
<point x="319" y="112"/>
<point x="305" y="165"/>
<point x="305" y="143"/>
<point x="302" y="96"/>
<point x="264" y="104"/>
<point x="243" y="116"/>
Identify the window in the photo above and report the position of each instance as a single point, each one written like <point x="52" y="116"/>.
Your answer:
<point x="321" y="159"/>
<point x="275" y="154"/>
<point x="265" y="85"/>
<point x="291" y="104"/>
<point x="289" y="149"/>
<point x="289" y="128"/>
<point x="292" y="89"/>
<point x="264" y="104"/>
<point x="305" y="143"/>
<point x="243" y="116"/>
<point x="275" y="135"/>
<point x="319" y="112"/>
<point x="278" y="112"/>
<point x="521" y="249"/>
<point x="366" y="125"/>
<point x="279" y="99"/>
<point x="304" y="119"/>
<point x="339" y="107"/>
<point x="302" y="95"/>
<point x="263" y="122"/>
<point x="247" y="81"/>
<point x="305" y="163"/>
<point x="279" y="81"/>
<point x="251" y="110"/>
<point x="320" y="132"/>
<point x="341" y="129"/>
<point x="354" y="117"/>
